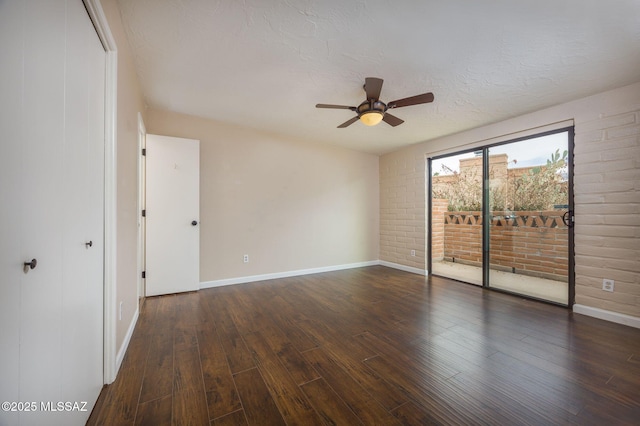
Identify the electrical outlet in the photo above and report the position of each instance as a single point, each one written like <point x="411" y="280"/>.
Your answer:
<point x="607" y="285"/>
<point x="245" y="259"/>
<point x="413" y="252"/>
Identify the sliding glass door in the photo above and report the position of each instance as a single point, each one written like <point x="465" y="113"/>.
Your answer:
<point x="456" y="225"/>
<point x="528" y="217"/>
<point x="501" y="217"/>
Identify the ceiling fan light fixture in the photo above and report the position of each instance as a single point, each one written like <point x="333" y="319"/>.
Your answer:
<point x="372" y="111"/>
<point x="371" y="118"/>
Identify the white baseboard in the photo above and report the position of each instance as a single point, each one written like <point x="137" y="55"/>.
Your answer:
<point x="403" y="267"/>
<point x="607" y="315"/>
<point x="286" y="274"/>
<point x="125" y="343"/>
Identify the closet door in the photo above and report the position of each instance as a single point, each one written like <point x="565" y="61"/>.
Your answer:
<point x="41" y="204"/>
<point x="10" y="193"/>
<point x="83" y="210"/>
<point x="52" y="158"/>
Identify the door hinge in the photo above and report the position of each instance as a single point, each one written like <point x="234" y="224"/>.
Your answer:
<point x="144" y="274"/>
<point x="144" y="151"/>
<point x="144" y="213"/>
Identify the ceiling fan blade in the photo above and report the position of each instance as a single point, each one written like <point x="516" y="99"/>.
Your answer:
<point x="373" y="86"/>
<point x="352" y="108"/>
<point x="391" y="120"/>
<point x="425" y="98"/>
<point x="348" y="123"/>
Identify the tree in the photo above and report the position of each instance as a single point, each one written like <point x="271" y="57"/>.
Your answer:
<point x="539" y="188"/>
<point x="463" y="190"/>
<point x="542" y="187"/>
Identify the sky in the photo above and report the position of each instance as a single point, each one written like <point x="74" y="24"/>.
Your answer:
<point x="527" y="153"/>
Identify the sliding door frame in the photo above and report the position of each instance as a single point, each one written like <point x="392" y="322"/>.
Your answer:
<point x="486" y="212"/>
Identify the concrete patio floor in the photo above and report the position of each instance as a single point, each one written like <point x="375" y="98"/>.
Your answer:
<point x="554" y="291"/>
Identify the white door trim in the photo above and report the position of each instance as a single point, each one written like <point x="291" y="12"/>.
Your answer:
<point x="94" y="8"/>
<point x="142" y="131"/>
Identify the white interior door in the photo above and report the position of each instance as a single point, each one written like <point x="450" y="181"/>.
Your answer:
<point x="11" y="193"/>
<point x="172" y="215"/>
<point x="52" y="158"/>
<point x="83" y="255"/>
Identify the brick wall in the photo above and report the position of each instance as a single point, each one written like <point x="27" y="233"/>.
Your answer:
<point x="529" y="243"/>
<point x="607" y="205"/>
<point x="402" y="211"/>
<point x="439" y="208"/>
<point x="463" y="237"/>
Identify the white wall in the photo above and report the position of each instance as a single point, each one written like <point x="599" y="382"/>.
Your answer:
<point x="129" y="103"/>
<point x="606" y="184"/>
<point x="288" y="204"/>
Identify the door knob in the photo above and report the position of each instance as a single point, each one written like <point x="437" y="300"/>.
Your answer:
<point x="89" y="244"/>
<point x="194" y="223"/>
<point x="30" y="265"/>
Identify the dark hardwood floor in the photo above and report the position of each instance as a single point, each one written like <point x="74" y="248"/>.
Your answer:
<point x="371" y="346"/>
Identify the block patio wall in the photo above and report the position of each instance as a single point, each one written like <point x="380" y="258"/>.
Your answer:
<point x="530" y="243"/>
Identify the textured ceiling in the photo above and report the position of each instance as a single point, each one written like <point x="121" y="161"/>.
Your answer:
<point x="265" y="64"/>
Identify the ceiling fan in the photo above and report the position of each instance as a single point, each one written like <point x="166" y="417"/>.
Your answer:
<point x="372" y="110"/>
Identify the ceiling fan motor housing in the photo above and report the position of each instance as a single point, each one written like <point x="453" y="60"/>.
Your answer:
<point x="371" y="105"/>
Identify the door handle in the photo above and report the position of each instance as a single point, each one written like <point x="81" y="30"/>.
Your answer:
<point x="30" y="265"/>
<point x="89" y="244"/>
<point x="194" y="223"/>
<point x="567" y="218"/>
